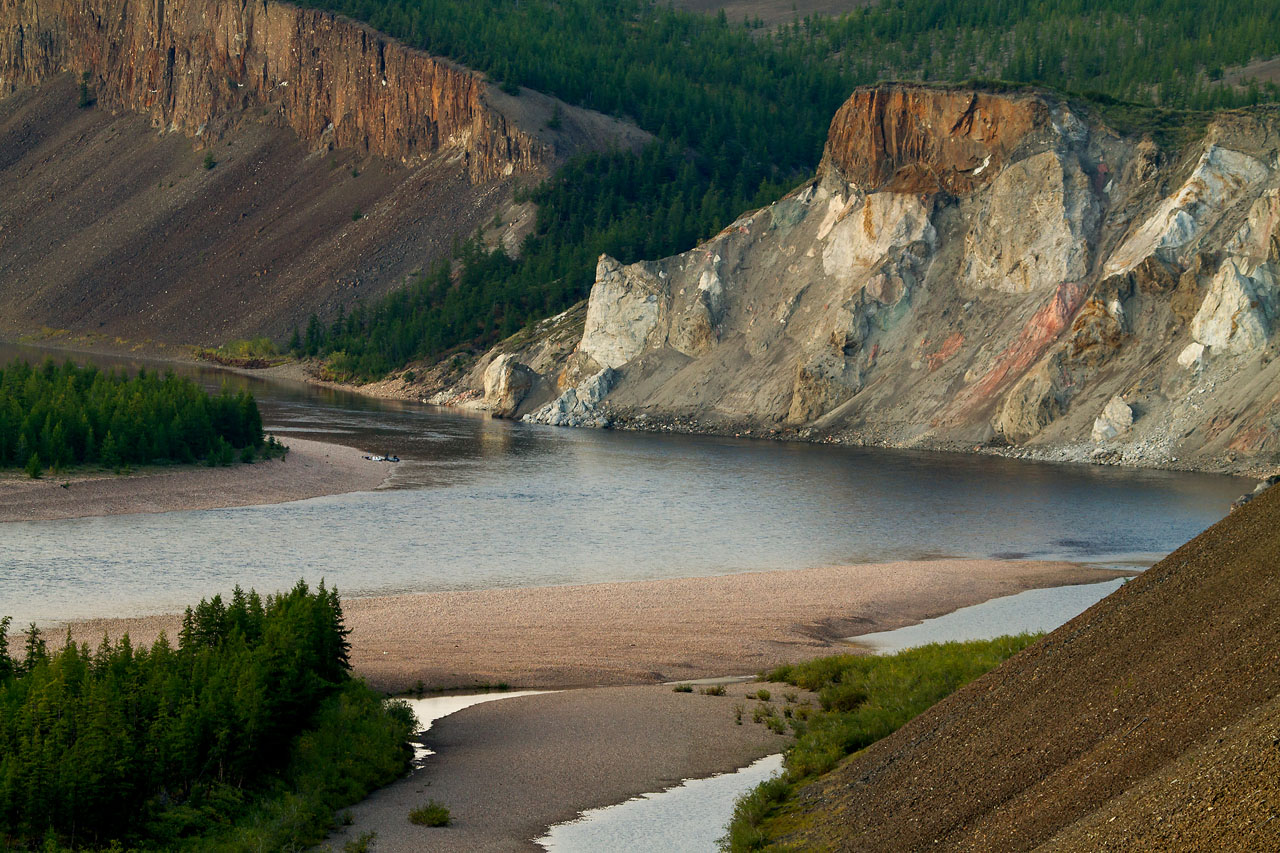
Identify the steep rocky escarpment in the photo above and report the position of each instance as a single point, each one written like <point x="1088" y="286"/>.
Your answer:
<point x="970" y="269"/>
<point x="339" y="164"/>
<point x="194" y="65"/>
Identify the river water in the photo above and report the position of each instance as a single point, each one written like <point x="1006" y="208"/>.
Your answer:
<point x="481" y="503"/>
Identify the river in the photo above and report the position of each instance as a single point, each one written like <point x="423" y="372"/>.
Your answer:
<point x="482" y="503"/>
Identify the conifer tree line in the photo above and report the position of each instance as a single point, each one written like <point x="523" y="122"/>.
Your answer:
<point x="740" y="113"/>
<point x="62" y="416"/>
<point x="166" y="747"/>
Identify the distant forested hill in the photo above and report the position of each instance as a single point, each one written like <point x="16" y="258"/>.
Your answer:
<point x="740" y="113"/>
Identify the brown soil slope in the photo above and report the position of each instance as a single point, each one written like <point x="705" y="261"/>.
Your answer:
<point x="107" y="226"/>
<point x="1150" y="722"/>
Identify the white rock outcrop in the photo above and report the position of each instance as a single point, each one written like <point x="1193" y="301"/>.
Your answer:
<point x="627" y="307"/>
<point x="1116" y="419"/>
<point x="1237" y="311"/>
<point x="1031" y="232"/>
<point x="1218" y="181"/>
<point x="861" y="235"/>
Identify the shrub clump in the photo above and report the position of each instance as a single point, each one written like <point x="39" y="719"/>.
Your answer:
<point x="432" y="814"/>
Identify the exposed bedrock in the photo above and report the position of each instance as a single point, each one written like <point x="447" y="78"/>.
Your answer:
<point x="193" y="66"/>
<point x="974" y="269"/>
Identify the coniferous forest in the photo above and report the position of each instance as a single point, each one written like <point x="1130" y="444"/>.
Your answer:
<point x="58" y="417"/>
<point x="246" y="735"/>
<point x="740" y="113"/>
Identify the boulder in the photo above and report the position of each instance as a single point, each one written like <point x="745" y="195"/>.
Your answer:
<point x="822" y="383"/>
<point x="1192" y="355"/>
<point x="1116" y="419"/>
<point x="1031" y="405"/>
<point x="506" y="383"/>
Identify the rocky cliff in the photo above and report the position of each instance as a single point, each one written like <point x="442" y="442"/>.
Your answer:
<point x="194" y="66"/>
<point x="969" y="269"/>
<point x="339" y="164"/>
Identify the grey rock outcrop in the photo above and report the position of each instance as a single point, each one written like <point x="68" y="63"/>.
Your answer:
<point x="579" y="405"/>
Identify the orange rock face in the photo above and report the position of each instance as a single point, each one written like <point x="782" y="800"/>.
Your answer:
<point x="917" y="139"/>
<point x="194" y="65"/>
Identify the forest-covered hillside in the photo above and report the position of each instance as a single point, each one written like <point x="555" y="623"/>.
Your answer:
<point x="740" y="112"/>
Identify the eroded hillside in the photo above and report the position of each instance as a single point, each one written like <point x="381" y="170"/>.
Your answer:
<point x="341" y="162"/>
<point x="967" y="268"/>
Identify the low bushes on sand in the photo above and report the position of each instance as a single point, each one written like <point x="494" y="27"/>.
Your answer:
<point x="863" y="698"/>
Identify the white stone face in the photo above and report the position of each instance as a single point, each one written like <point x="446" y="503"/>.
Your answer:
<point x="1032" y="233"/>
<point x="625" y="308"/>
<point x="1254" y="239"/>
<point x="1218" y="181"/>
<point x="855" y="243"/>
<point x="1116" y="418"/>
<point x="1237" y="311"/>
<point x="1192" y="355"/>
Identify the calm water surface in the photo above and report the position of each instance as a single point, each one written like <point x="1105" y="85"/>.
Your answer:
<point x="481" y="503"/>
<point x="688" y="818"/>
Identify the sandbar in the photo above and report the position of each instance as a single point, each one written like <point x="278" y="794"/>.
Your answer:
<point x="644" y="632"/>
<point x="311" y="469"/>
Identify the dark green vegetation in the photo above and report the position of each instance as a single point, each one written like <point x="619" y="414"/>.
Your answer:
<point x="740" y="114"/>
<point x="432" y="814"/>
<point x="247" y="736"/>
<point x="863" y="699"/>
<point x="62" y="416"/>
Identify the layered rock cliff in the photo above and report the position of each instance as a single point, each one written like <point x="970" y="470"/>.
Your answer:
<point x="193" y="66"/>
<point x="339" y="163"/>
<point x="969" y="269"/>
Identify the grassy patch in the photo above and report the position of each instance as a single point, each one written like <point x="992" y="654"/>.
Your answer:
<point x="863" y="698"/>
<point x="432" y="814"/>
<point x="249" y="353"/>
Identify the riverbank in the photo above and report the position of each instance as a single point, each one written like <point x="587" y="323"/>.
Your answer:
<point x="426" y="385"/>
<point x="647" y="631"/>
<point x="508" y="770"/>
<point x="311" y="469"/>
<point x="1139" y="455"/>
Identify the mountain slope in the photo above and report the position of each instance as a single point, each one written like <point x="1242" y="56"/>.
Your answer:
<point x="1149" y="722"/>
<point x="342" y="163"/>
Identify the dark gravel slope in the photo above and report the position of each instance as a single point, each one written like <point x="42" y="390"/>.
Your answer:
<point x="1151" y="721"/>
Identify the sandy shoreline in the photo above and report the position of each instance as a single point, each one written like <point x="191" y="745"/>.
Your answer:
<point x="311" y="469"/>
<point x="647" y="631"/>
